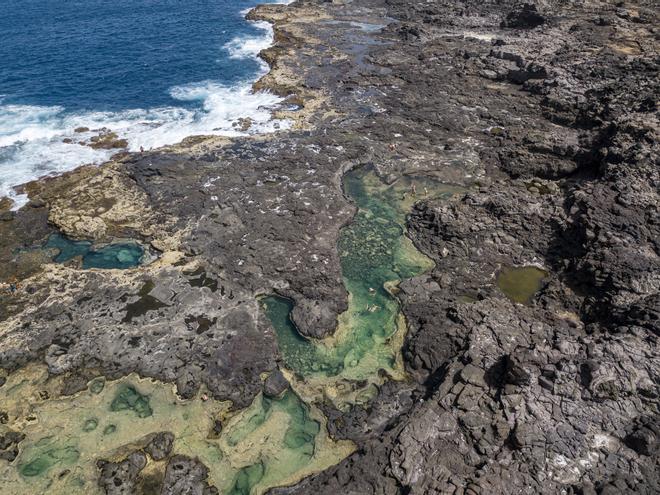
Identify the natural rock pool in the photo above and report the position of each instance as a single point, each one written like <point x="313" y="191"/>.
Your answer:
<point x="520" y="283"/>
<point x="111" y="256"/>
<point x="375" y="256"/>
<point x="273" y="442"/>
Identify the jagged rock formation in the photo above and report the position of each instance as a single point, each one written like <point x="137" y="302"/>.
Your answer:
<point x="544" y="112"/>
<point x="559" y="395"/>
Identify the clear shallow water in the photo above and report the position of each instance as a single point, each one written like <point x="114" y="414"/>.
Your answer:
<point x="272" y="442"/>
<point x="152" y="71"/>
<point x="112" y="256"/>
<point x="375" y="254"/>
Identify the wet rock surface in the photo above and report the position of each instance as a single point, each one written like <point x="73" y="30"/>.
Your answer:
<point x="544" y="112"/>
<point x="276" y="384"/>
<point x="558" y="395"/>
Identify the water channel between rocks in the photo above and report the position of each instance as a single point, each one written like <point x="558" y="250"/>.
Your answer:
<point x="273" y="442"/>
<point x="375" y="255"/>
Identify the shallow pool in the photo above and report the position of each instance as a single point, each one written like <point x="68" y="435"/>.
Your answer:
<point x="375" y="255"/>
<point x="520" y="283"/>
<point x="120" y="255"/>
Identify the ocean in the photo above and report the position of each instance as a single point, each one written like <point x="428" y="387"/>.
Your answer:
<point x="152" y="71"/>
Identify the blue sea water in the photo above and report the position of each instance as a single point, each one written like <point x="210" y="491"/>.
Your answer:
<point x="153" y="71"/>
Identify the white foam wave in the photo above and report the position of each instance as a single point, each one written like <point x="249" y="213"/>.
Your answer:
<point x="249" y="46"/>
<point x="33" y="139"/>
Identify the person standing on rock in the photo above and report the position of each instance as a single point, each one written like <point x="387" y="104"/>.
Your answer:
<point x="11" y="286"/>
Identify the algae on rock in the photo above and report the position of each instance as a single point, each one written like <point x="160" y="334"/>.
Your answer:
<point x="375" y="255"/>
<point x="66" y="435"/>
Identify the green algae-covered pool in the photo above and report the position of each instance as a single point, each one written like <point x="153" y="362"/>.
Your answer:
<point x="273" y="442"/>
<point x="375" y="255"/>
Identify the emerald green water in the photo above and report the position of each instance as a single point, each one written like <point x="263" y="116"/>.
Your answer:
<point x="270" y="443"/>
<point x="273" y="442"/>
<point x="247" y="478"/>
<point x="128" y="398"/>
<point x="375" y="254"/>
<point x="112" y="256"/>
<point x="50" y="455"/>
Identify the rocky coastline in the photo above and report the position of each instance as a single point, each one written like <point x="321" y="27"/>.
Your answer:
<point x="541" y="115"/>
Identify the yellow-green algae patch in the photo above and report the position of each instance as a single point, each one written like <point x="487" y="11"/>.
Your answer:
<point x="271" y="443"/>
<point x="520" y="283"/>
<point x="375" y="255"/>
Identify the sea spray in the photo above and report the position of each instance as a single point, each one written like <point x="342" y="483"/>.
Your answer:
<point x="45" y="140"/>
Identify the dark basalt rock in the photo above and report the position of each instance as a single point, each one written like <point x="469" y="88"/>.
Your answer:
<point x="9" y="442"/>
<point x="186" y="475"/>
<point x="558" y="395"/>
<point x="276" y="384"/>
<point x="160" y="446"/>
<point x="552" y="134"/>
<point x="121" y="478"/>
<point x="644" y="436"/>
<point x="515" y="372"/>
<point x="525" y="17"/>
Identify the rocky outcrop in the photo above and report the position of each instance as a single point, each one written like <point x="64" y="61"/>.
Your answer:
<point x="559" y="395"/>
<point x="542" y="114"/>
<point x="275" y="385"/>
<point x="160" y="446"/>
<point x="186" y="475"/>
<point x="183" y="475"/>
<point x="121" y="478"/>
